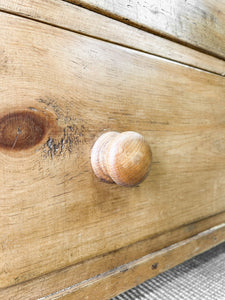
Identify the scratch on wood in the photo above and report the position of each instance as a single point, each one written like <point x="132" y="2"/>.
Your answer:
<point x="17" y="135"/>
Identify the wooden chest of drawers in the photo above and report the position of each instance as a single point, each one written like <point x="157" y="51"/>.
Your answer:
<point x="70" y="74"/>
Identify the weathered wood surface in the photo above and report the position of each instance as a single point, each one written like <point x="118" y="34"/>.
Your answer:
<point x="54" y="211"/>
<point x="199" y="24"/>
<point x="77" y="19"/>
<point x="107" y="285"/>
<point x="65" y="278"/>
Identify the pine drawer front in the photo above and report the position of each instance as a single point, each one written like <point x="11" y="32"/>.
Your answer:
<point x="199" y="24"/>
<point x="59" y="92"/>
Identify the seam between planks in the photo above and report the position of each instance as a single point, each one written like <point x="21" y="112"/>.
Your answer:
<point x="111" y="42"/>
<point x="132" y="23"/>
<point x="131" y="265"/>
<point x="111" y="252"/>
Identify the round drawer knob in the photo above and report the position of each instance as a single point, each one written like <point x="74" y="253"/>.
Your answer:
<point x="124" y="158"/>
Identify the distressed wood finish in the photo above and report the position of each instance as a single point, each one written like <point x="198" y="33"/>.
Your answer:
<point x="78" y="87"/>
<point x="77" y="19"/>
<point x="107" y="285"/>
<point x="66" y="278"/>
<point x="199" y="24"/>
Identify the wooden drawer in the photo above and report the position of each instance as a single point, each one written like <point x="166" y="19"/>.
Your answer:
<point x="60" y="225"/>
<point x="197" y="24"/>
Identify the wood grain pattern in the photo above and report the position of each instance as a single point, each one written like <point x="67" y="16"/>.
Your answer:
<point x="55" y="281"/>
<point x="122" y="158"/>
<point x="111" y="283"/>
<point x="98" y="155"/>
<point x="23" y="129"/>
<point x="199" y="24"/>
<point x="89" y="86"/>
<point x="77" y="19"/>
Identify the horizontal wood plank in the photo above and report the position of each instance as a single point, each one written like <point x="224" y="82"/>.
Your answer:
<point x="77" y="19"/>
<point x="112" y="283"/>
<point x="63" y="279"/>
<point x="74" y="88"/>
<point x="199" y="24"/>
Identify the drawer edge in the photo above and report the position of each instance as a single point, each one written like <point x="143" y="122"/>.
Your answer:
<point x="116" y="281"/>
<point x="169" y="249"/>
<point x="71" y="17"/>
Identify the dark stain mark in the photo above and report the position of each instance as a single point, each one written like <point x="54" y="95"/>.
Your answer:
<point x="50" y="146"/>
<point x="154" y="266"/>
<point x="71" y="131"/>
<point x="124" y="270"/>
<point x="17" y="136"/>
<point x="73" y="135"/>
<point x="22" y="130"/>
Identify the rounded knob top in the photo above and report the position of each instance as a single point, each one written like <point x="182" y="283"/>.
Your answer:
<point x="123" y="158"/>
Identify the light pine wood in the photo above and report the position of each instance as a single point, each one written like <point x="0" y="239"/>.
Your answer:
<point x="121" y="158"/>
<point x="52" y="283"/>
<point x="111" y="283"/>
<point x="196" y="23"/>
<point x="99" y="153"/>
<point x="78" y="19"/>
<point x="78" y="87"/>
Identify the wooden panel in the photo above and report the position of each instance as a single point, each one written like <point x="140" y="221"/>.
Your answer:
<point x="110" y="284"/>
<point x="197" y="23"/>
<point x="77" y="19"/>
<point x="72" y="275"/>
<point x="73" y="88"/>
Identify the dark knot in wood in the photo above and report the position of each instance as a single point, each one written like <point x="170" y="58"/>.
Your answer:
<point x="22" y="130"/>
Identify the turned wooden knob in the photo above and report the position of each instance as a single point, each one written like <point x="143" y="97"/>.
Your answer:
<point x="124" y="158"/>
